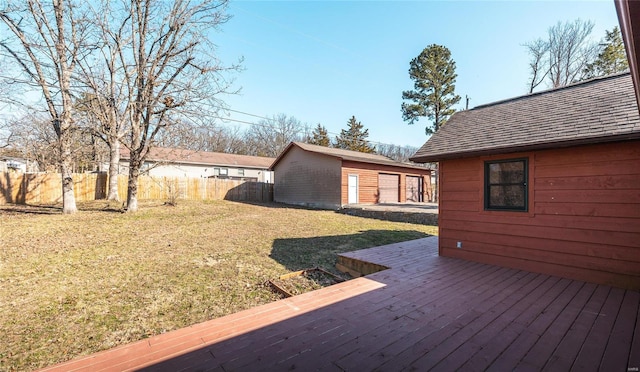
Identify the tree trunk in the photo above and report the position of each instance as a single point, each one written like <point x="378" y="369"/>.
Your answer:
<point x="68" y="198"/>
<point x="114" y="166"/>
<point x="132" y="186"/>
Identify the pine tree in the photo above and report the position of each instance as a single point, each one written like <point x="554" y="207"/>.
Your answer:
<point x="612" y="57"/>
<point x="319" y="136"/>
<point x="434" y="76"/>
<point x="354" y="138"/>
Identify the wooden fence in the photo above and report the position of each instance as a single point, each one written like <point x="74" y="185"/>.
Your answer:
<point x="46" y="188"/>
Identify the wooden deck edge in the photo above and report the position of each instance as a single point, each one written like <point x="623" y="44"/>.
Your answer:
<point x="356" y="267"/>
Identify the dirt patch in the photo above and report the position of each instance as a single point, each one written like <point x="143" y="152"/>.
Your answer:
<point x="303" y="281"/>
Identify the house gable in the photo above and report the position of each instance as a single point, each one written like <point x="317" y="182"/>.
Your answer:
<point x="307" y="178"/>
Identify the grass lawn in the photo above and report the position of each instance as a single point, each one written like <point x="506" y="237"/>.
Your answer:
<point x="74" y="285"/>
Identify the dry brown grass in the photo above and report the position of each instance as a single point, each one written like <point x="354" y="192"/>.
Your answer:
<point x="74" y="285"/>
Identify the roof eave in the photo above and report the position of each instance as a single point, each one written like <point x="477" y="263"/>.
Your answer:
<point x="526" y="147"/>
<point x="630" y="28"/>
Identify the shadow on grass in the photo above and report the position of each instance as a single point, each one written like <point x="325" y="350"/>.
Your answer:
<point x="276" y="205"/>
<point x="30" y="209"/>
<point x="52" y="209"/>
<point x="303" y="253"/>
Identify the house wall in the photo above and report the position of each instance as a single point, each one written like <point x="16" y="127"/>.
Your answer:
<point x="306" y="178"/>
<point x="368" y="180"/>
<point x="198" y="171"/>
<point x="583" y="220"/>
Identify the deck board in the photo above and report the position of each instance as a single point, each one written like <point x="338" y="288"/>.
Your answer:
<point x="424" y="313"/>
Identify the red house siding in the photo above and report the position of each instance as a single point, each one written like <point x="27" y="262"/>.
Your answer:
<point x="368" y="180"/>
<point x="583" y="218"/>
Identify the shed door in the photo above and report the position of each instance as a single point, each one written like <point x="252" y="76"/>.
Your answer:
<point x="353" y="189"/>
<point x="414" y="189"/>
<point x="388" y="188"/>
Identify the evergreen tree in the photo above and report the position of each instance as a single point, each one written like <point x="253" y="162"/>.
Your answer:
<point x="434" y="76"/>
<point x="612" y="57"/>
<point x="319" y="136"/>
<point x="354" y="137"/>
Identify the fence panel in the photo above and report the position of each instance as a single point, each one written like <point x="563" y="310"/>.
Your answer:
<point x="46" y="188"/>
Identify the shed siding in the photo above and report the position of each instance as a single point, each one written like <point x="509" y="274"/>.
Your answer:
<point x="368" y="180"/>
<point x="306" y="178"/>
<point x="583" y="220"/>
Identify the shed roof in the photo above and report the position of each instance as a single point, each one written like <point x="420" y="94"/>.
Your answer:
<point x="356" y="156"/>
<point x="594" y="111"/>
<point x="182" y="156"/>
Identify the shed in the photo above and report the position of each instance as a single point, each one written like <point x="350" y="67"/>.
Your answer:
<point x="548" y="182"/>
<point x="324" y="177"/>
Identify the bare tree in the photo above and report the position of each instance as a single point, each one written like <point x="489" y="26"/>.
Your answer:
<point x="212" y="138"/>
<point x="562" y="57"/>
<point x="45" y="43"/>
<point x="270" y="137"/>
<point x="105" y="97"/>
<point x="538" y="64"/>
<point x="170" y="72"/>
<point x="102" y="115"/>
<point x="395" y="152"/>
<point x="33" y="137"/>
<point x="225" y="139"/>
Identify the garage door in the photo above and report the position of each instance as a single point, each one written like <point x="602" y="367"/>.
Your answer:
<point x="413" y="189"/>
<point x="388" y="188"/>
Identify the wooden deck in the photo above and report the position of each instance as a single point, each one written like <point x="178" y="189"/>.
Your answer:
<point x="425" y="313"/>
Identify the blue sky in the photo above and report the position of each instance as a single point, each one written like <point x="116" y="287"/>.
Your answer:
<point x="324" y="61"/>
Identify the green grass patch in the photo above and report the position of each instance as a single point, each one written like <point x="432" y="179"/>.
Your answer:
<point x="74" y="285"/>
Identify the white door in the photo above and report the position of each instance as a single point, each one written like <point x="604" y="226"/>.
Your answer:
<point x="353" y="189"/>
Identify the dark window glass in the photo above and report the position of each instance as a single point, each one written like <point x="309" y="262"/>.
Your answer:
<point x="506" y="185"/>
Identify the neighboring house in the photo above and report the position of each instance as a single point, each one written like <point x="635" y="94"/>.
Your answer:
<point x="171" y="162"/>
<point x="548" y="182"/>
<point x="10" y="163"/>
<point x="324" y="177"/>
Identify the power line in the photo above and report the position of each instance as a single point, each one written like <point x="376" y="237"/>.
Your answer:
<point x="306" y="127"/>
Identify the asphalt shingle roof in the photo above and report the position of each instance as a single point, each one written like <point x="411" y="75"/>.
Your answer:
<point x="594" y="111"/>
<point x="182" y="156"/>
<point x="347" y="155"/>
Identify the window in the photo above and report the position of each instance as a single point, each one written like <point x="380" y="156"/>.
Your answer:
<point x="505" y="185"/>
<point x="216" y="171"/>
<point x="240" y="172"/>
<point x="224" y="171"/>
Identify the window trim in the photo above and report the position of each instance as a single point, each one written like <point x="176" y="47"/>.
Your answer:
<point x="525" y="184"/>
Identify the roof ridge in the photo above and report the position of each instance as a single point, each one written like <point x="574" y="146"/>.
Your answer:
<point x="553" y="90"/>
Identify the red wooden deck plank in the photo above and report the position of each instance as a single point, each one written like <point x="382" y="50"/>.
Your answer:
<point x="617" y="352"/>
<point x="446" y="321"/>
<point x="494" y="320"/>
<point x="306" y="337"/>
<point x="454" y="351"/>
<point x="634" y="356"/>
<point x="541" y="352"/>
<point x="552" y="303"/>
<point x="488" y="353"/>
<point x="595" y="343"/>
<point x="568" y="348"/>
